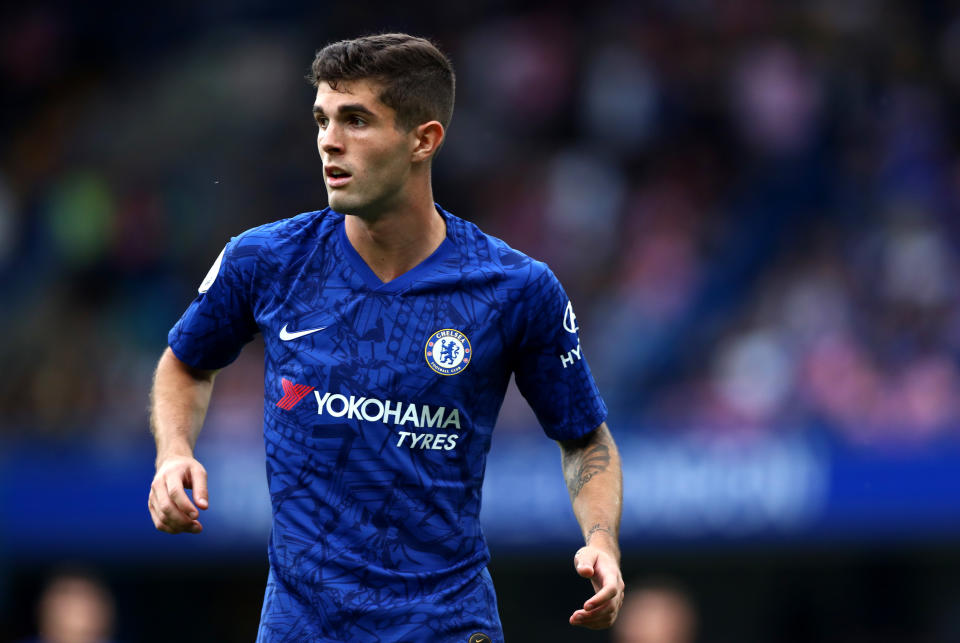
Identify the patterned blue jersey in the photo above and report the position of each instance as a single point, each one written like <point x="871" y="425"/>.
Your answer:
<point x="380" y="400"/>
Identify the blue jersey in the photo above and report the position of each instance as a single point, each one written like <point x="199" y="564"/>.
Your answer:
<point x="380" y="400"/>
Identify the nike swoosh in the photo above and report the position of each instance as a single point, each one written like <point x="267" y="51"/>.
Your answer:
<point x="287" y="336"/>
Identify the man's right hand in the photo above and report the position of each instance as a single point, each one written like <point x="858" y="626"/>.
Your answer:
<point x="170" y="507"/>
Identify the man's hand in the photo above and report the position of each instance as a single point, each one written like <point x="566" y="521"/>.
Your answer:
<point x="601" y="609"/>
<point x="170" y="507"/>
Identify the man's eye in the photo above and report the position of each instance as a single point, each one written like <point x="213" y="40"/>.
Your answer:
<point x="356" y="120"/>
<point x="322" y="122"/>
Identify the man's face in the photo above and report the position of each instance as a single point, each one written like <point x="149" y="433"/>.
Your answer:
<point x="366" y="158"/>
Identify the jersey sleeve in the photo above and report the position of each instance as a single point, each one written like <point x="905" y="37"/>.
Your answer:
<point x="220" y="320"/>
<point x="550" y="368"/>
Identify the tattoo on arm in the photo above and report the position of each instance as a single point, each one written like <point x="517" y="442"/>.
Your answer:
<point x="583" y="460"/>
<point x="597" y="528"/>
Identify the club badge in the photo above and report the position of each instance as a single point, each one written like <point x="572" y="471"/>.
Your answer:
<point x="448" y="351"/>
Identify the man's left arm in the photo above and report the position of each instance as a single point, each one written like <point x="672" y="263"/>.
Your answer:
<point x="591" y="468"/>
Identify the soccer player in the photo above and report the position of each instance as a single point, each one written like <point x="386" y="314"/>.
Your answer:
<point x="391" y="328"/>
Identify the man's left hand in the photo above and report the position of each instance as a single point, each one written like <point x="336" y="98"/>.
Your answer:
<point x="603" y="570"/>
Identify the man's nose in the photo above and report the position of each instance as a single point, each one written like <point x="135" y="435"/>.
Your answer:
<point x="329" y="139"/>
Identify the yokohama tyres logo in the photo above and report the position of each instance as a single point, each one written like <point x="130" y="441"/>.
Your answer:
<point x="444" y="421"/>
<point x="292" y="394"/>
<point x="371" y="409"/>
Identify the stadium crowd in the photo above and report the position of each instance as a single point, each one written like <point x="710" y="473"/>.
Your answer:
<point x="752" y="205"/>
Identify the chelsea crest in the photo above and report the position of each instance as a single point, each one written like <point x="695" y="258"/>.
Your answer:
<point x="448" y="351"/>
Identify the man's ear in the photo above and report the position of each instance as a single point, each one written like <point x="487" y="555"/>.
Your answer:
<point x="427" y="139"/>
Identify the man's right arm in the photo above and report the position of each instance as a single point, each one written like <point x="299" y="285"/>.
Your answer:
<point x="178" y="405"/>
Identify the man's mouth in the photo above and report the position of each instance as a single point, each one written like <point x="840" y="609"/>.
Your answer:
<point x="336" y="176"/>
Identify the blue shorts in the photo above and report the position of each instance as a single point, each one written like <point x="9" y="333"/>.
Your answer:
<point x="293" y="613"/>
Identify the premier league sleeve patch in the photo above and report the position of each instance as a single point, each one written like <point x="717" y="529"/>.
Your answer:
<point x="448" y="351"/>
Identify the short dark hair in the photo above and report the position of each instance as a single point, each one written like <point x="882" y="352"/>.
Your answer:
<point x="417" y="80"/>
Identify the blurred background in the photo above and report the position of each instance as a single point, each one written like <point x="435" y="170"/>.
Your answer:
<point x="755" y="207"/>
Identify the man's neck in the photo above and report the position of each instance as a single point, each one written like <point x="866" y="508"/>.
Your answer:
<point x="397" y="241"/>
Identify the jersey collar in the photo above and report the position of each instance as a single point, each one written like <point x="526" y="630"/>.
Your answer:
<point x="422" y="270"/>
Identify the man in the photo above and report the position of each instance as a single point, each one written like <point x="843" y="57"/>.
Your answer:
<point x="391" y="329"/>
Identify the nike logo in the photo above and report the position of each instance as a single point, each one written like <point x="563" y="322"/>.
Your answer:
<point x="287" y="336"/>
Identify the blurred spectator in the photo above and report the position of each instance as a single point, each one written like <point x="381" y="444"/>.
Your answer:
<point x="776" y="99"/>
<point x="75" y="607"/>
<point x="656" y="611"/>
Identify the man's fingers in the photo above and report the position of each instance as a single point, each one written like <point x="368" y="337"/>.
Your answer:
<point x="179" y="498"/>
<point x="606" y="593"/>
<point x="596" y="620"/>
<point x="159" y="520"/>
<point x="171" y="508"/>
<point x="154" y="514"/>
<point x="600" y="617"/>
<point x="171" y="525"/>
<point x="585" y="560"/>
<point x="167" y="511"/>
<point x="198" y="478"/>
